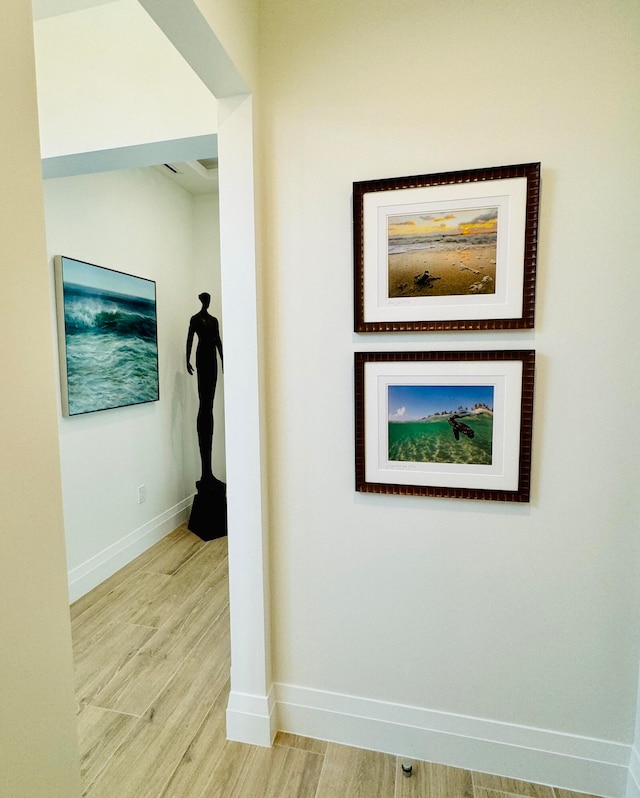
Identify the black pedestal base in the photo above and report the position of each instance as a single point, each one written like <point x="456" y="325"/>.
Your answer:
<point x="208" y="518"/>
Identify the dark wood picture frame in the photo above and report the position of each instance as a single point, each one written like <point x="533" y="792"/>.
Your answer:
<point x="513" y="190"/>
<point x="508" y="374"/>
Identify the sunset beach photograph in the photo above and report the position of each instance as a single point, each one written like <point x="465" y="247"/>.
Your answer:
<point x="453" y="252"/>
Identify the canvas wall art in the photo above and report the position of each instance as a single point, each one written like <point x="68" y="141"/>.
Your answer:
<point x="107" y="335"/>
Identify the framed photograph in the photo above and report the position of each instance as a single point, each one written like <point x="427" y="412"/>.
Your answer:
<point x="448" y="251"/>
<point x="449" y="424"/>
<point x="107" y="337"/>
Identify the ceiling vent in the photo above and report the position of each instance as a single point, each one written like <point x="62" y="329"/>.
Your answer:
<point x="208" y="163"/>
<point x="197" y="177"/>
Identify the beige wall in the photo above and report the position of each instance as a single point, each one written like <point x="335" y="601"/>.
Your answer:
<point x="38" y="748"/>
<point x="523" y="615"/>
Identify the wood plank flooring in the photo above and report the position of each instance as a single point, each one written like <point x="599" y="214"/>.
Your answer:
<point x="151" y="647"/>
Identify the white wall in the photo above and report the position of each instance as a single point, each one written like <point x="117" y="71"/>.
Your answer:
<point x="206" y="265"/>
<point x="522" y="617"/>
<point x="38" y="743"/>
<point x="633" y="783"/>
<point x="139" y="222"/>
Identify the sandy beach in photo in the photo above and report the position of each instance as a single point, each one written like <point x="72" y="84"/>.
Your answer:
<point x="443" y="270"/>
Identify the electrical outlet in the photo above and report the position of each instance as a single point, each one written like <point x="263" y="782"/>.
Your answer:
<point x="142" y="494"/>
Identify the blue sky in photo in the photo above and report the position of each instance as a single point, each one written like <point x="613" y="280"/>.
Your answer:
<point x="410" y="402"/>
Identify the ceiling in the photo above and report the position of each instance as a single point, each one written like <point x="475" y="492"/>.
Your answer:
<point x="196" y="177"/>
<point x="53" y="8"/>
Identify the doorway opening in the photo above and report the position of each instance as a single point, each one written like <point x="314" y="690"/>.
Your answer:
<point x="245" y="495"/>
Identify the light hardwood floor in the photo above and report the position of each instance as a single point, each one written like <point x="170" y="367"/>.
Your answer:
<point x="151" y="647"/>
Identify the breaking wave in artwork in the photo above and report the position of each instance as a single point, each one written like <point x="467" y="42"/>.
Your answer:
<point x="111" y="350"/>
<point x="442" y="243"/>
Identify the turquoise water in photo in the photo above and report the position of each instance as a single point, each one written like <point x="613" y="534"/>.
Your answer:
<point x="433" y="441"/>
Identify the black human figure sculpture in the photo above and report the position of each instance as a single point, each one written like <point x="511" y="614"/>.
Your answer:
<point x="209" y="514"/>
<point x="206" y="327"/>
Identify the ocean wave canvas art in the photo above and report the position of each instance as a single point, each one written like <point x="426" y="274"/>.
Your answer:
<point x="107" y="332"/>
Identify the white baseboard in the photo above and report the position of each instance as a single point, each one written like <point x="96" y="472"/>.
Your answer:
<point x="96" y="569"/>
<point x="569" y="761"/>
<point x="633" y="784"/>
<point x="251" y="719"/>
